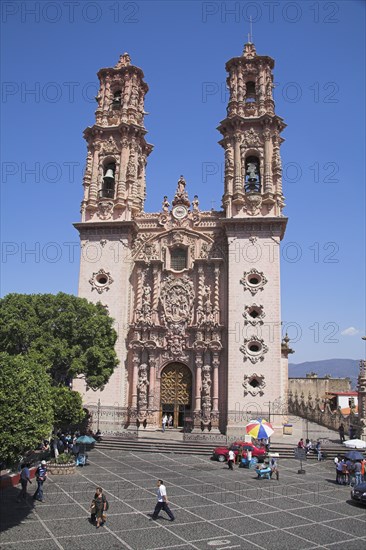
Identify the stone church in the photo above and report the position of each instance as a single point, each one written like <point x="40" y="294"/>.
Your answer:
<point x="195" y="294"/>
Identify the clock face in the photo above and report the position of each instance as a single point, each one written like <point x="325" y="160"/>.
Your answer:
<point x="179" y="212"/>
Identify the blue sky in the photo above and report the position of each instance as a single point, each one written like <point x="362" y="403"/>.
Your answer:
<point x="50" y="56"/>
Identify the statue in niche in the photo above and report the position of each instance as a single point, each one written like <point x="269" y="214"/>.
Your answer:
<point x="206" y="381"/>
<point x="131" y="166"/>
<point x="134" y="96"/>
<point x="229" y="159"/>
<point x="146" y="303"/>
<point x="142" y="384"/>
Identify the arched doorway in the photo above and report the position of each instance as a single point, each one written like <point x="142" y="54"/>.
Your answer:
<point x="176" y="392"/>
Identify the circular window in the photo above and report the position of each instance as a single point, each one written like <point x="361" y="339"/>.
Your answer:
<point x="101" y="279"/>
<point x="254" y="280"/>
<point x="254" y="347"/>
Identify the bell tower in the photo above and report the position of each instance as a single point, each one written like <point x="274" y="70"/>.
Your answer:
<point x="251" y="139"/>
<point x="253" y="202"/>
<point x="114" y="180"/>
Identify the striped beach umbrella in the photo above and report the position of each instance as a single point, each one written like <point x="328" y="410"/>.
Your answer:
<point x="259" y="429"/>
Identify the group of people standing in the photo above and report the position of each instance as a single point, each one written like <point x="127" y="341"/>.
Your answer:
<point x="349" y="472"/>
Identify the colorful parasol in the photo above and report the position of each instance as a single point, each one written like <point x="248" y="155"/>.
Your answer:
<point x="260" y="429"/>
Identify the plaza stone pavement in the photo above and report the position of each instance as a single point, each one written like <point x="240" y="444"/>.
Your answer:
<point x="214" y="507"/>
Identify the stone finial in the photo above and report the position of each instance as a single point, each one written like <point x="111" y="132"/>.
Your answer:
<point x="249" y="50"/>
<point x="124" y="61"/>
<point x="285" y="348"/>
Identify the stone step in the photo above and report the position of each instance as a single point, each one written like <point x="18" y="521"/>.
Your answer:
<point x="285" y="450"/>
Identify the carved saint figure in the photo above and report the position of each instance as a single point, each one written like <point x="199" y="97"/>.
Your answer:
<point x="131" y="166"/>
<point x="181" y="188"/>
<point x="166" y="204"/>
<point x="195" y="203"/>
<point x="142" y="384"/>
<point x="206" y="381"/>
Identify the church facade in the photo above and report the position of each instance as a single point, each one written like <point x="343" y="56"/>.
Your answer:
<point x="195" y="294"/>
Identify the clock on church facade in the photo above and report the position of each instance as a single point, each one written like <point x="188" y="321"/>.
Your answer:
<point x="195" y="294"/>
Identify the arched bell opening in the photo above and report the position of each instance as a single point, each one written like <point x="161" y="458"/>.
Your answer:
<point x="116" y="101"/>
<point x="108" y="183"/>
<point x="250" y="95"/>
<point x="252" y="175"/>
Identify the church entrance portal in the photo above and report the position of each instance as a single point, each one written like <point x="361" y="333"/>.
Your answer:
<point x="176" y="392"/>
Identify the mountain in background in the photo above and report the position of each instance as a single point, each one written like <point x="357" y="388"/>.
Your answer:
<point x="337" y="368"/>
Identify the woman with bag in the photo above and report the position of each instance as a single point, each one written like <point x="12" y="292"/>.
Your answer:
<point x="98" y="507"/>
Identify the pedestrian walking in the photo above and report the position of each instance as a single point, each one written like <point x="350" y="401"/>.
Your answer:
<point x="170" y="421"/>
<point x="41" y="476"/>
<point x="98" y="508"/>
<point x="341" y="433"/>
<point x="318" y="449"/>
<point x="162" y="503"/>
<point x="24" y="480"/>
<point x="231" y="459"/>
<point x="164" y="421"/>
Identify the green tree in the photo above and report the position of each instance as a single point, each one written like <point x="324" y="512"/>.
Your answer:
<point x="26" y="413"/>
<point x="69" y="336"/>
<point x="67" y="406"/>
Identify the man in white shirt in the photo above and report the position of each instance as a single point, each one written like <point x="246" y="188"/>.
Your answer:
<point x="231" y="459"/>
<point x="164" y="420"/>
<point x="162" y="503"/>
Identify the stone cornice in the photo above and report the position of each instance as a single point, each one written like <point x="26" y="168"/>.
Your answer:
<point x="106" y="227"/>
<point x="248" y="226"/>
<point x="237" y="122"/>
<point x="257" y="59"/>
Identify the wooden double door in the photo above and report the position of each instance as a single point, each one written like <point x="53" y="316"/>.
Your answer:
<point x="176" y="393"/>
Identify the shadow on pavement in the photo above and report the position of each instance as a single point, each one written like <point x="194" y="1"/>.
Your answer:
<point x="13" y="513"/>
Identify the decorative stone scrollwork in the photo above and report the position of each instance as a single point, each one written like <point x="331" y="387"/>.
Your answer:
<point x="101" y="281"/>
<point x="253" y="280"/>
<point x="105" y="210"/>
<point x="110" y="146"/>
<point x="254" y="349"/>
<point x="253" y="203"/>
<point x="253" y="384"/>
<point x="251" y="138"/>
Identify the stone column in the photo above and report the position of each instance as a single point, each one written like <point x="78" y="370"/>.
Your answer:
<point x="197" y="393"/>
<point x="215" y="382"/>
<point x="268" y="187"/>
<point x="138" y="299"/>
<point x="152" y="363"/>
<point x="121" y="188"/>
<point x="238" y="183"/>
<point x="93" y="190"/>
<point x="155" y="298"/>
<point x="217" y="295"/>
<point x="135" y="363"/>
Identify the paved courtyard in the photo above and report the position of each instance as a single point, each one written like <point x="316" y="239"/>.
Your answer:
<point x="214" y="507"/>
